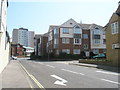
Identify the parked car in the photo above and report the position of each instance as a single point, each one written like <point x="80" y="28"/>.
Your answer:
<point x="102" y="55"/>
<point x="14" y="57"/>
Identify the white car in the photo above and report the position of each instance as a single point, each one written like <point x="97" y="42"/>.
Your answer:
<point x="14" y="58"/>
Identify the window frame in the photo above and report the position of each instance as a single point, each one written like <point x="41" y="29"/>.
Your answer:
<point x="66" y="51"/>
<point x="77" y="30"/>
<point x="76" y="40"/>
<point x="115" y="27"/>
<point x="65" y="40"/>
<point x="74" y="51"/>
<point x="65" y="30"/>
<point x="96" y="41"/>
<point x="85" y="46"/>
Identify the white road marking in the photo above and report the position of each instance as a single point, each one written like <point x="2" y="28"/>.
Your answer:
<point x="40" y="63"/>
<point x="50" y="66"/>
<point x="110" y="81"/>
<point x="60" y="81"/>
<point x="72" y="71"/>
<point x="107" y="72"/>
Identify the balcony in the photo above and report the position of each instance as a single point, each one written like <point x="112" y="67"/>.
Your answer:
<point x="77" y="35"/>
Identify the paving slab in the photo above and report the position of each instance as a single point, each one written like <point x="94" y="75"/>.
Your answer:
<point x="13" y="76"/>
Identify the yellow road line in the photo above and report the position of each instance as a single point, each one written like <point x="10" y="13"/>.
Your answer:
<point x="33" y="78"/>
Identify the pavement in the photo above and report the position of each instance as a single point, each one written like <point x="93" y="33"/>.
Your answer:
<point x="108" y="68"/>
<point x="14" y="76"/>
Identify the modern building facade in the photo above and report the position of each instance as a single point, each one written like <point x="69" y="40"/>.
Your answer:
<point x="4" y="36"/>
<point x="41" y="44"/>
<point x="23" y="37"/>
<point x="72" y="37"/>
<point x="113" y="38"/>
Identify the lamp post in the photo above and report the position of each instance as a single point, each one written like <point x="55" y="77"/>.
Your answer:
<point x="48" y="51"/>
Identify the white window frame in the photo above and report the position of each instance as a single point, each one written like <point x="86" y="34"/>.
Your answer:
<point x="66" y="51"/>
<point x="75" y="41"/>
<point x="65" y="40"/>
<point x="114" y="28"/>
<point x="97" y="41"/>
<point x="65" y="30"/>
<point x="115" y="46"/>
<point x="77" y="30"/>
<point x="85" y="46"/>
<point x="76" y="51"/>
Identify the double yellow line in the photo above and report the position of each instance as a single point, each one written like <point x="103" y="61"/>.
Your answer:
<point x="33" y="78"/>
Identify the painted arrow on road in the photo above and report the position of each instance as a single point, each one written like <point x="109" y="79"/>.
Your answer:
<point x="60" y="81"/>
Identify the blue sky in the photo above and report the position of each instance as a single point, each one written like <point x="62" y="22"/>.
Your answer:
<point x="38" y="15"/>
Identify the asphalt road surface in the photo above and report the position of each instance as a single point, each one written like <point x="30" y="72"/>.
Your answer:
<point x="58" y="74"/>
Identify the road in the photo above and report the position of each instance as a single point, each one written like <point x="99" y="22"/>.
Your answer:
<point x="58" y="74"/>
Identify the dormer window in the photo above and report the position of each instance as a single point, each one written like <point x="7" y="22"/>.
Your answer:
<point x="96" y="28"/>
<point x="96" y="31"/>
<point x="77" y="30"/>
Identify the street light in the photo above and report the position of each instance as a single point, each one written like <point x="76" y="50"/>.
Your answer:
<point x="48" y="50"/>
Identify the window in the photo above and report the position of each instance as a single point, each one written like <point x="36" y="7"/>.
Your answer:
<point x="96" y="36"/>
<point x="85" y="36"/>
<point x="77" y="30"/>
<point x="55" y="31"/>
<point x="104" y="41"/>
<point x="85" y="46"/>
<point x="55" y="41"/>
<point x="76" y="51"/>
<point x="96" y="31"/>
<point x="114" y="27"/>
<point x="113" y="46"/>
<point x="116" y="46"/>
<point x="65" y="40"/>
<point x="77" y="41"/>
<point x="96" y="41"/>
<point x="66" y="51"/>
<point x="65" y="31"/>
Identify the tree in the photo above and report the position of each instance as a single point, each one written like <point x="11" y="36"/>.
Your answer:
<point x="82" y="55"/>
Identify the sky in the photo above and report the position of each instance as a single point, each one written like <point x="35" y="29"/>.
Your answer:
<point x="38" y="15"/>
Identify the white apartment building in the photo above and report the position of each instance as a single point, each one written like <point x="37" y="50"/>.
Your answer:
<point x="31" y="39"/>
<point x="23" y="37"/>
<point x="4" y="36"/>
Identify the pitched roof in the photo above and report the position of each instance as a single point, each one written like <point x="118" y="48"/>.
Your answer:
<point x="69" y="23"/>
<point x="85" y="26"/>
<point x="118" y="11"/>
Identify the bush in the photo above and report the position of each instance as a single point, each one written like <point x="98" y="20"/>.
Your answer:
<point x="34" y="57"/>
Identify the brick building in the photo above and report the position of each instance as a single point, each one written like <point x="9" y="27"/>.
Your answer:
<point x="41" y="44"/>
<point x="72" y="37"/>
<point x="113" y="38"/>
<point x="17" y="50"/>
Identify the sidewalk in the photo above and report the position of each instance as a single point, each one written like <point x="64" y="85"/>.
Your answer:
<point x="14" y="76"/>
<point x="108" y="68"/>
